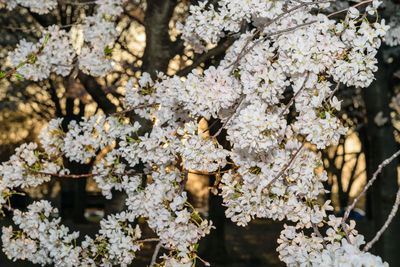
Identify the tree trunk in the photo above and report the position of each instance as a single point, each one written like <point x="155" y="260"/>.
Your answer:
<point x="157" y="53"/>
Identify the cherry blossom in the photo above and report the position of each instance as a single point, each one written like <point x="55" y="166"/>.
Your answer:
<point x="272" y="168"/>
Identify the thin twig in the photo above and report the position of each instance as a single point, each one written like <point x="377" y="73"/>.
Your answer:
<point x="369" y="184"/>
<point x="334" y="91"/>
<point x="78" y="3"/>
<point x="30" y="59"/>
<point x="386" y="224"/>
<point x="287" y="166"/>
<point x="156" y="250"/>
<point x="316" y="231"/>
<point x="208" y="173"/>
<point x="24" y="29"/>
<point x="230" y="117"/>
<point x="346" y="234"/>
<point x="148" y="240"/>
<point x="346" y="9"/>
<point x="132" y="109"/>
<point x="244" y="50"/>
<point x="39" y="28"/>
<point x="77" y="176"/>
<point x="210" y="126"/>
<point x="295" y="96"/>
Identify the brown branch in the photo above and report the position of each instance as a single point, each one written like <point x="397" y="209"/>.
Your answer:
<point x="183" y="184"/>
<point x="77" y="176"/>
<point x="97" y="93"/>
<point x="148" y="240"/>
<point x="213" y="52"/>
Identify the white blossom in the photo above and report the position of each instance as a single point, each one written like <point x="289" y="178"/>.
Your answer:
<point x="270" y="94"/>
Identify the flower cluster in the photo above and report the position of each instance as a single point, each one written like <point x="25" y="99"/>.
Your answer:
<point x="208" y="23"/>
<point x="199" y="152"/>
<point x="57" y="55"/>
<point x="40" y="239"/>
<point x="37" y="6"/>
<point x="259" y="189"/>
<point x="297" y="248"/>
<point x="82" y="140"/>
<point x="169" y="214"/>
<point x="162" y="201"/>
<point x="43" y="240"/>
<point x="99" y="32"/>
<point x="116" y="243"/>
<point x="26" y="168"/>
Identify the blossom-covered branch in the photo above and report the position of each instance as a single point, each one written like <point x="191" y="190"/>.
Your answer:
<point x="274" y="172"/>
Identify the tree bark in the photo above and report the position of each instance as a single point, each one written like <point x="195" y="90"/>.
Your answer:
<point x="159" y="47"/>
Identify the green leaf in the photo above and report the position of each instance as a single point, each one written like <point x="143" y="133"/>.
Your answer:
<point x="255" y="170"/>
<point x="32" y="60"/>
<point x="132" y="140"/>
<point x="19" y="76"/>
<point x="196" y="216"/>
<point x="2" y="75"/>
<point x="108" y="51"/>
<point x="236" y="73"/>
<point x="235" y="196"/>
<point x="46" y="39"/>
<point x="114" y="179"/>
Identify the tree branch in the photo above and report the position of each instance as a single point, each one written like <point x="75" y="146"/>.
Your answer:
<point x="369" y="184"/>
<point x="213" y="52"/>
<point x="386" y="224"/>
